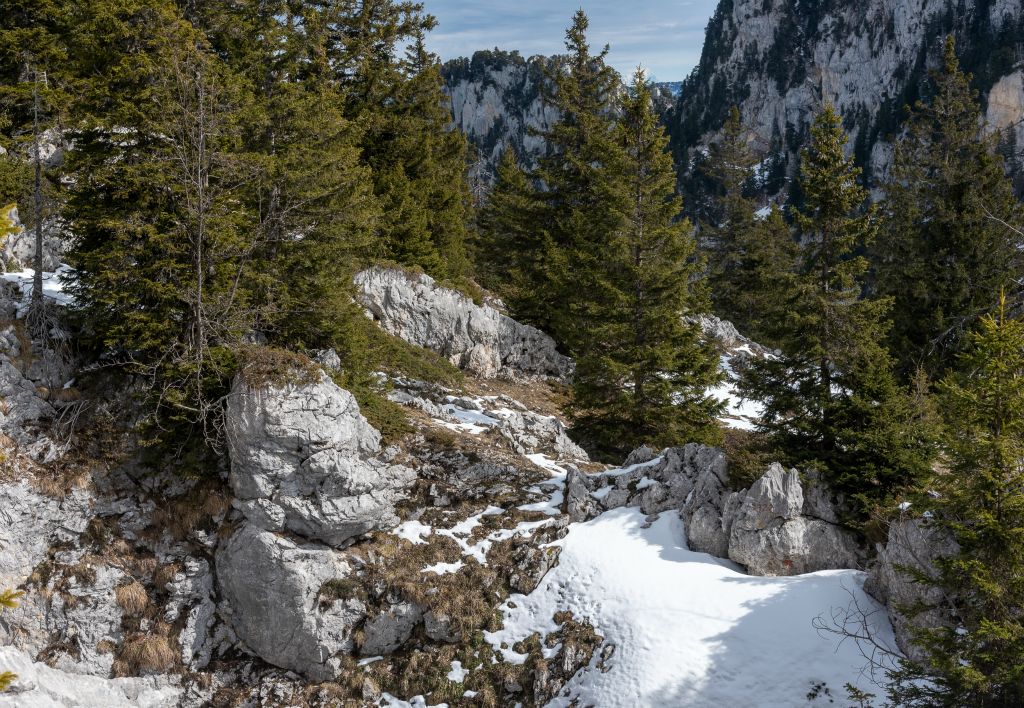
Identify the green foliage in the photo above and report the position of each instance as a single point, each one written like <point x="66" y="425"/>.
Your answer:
<point x="977" y="660"/>
<point x="748" y="258"/>
<point x="642" y="372"/>
<point x="950" y="244"/>
<point x="831" y="400"/>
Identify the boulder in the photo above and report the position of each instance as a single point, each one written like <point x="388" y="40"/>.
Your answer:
<point x="304" y="459"/>
<point x="476" y="338"/>
<point x="385" y="632"/>
<point x="272" y="598"/>
<point x="770" y="534"/>
<point x="911" y="543"/>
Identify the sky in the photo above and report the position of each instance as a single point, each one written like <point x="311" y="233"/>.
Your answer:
<point x="663" y="36"/>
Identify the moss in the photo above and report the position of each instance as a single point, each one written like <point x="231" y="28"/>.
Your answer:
<point x="339" y="589"/>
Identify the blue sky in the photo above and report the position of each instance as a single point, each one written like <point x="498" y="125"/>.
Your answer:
<point x="664" y="36"/>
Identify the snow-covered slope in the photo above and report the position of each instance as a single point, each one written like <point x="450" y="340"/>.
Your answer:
<point x="689" y="629"/>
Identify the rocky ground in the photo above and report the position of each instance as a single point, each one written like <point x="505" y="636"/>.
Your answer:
<point x="480" y="560"/>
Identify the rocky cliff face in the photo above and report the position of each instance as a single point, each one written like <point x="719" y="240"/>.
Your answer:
<point x="781" y="60"/>
<point x="497" y="103"/>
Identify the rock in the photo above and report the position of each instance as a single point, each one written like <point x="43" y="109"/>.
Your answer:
<point x="304" y="459"/>
<point x="272" y="599"/>
<point x="476" y="338"/>
<point x="31" y="523"/>
<point x="578" y="502"/>
<point x="191" y="593"/>
<point x="532" y="433"/>
<point x="387" y="631"/>
<point x="911" y="543"/>
<point x="327" y="358"/>
<point x="770" y="535"/>
<point x="439" y="627"/>
<point x="75" y="623"/>
<point x="40" y="686"/>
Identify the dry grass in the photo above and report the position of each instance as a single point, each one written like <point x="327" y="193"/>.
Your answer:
<point x="144" y="654"/>
<point x="201" y="507"/>
<point x="270" y="366"/>
<point x="132" y="598"/>
<point x="164" y="575"/>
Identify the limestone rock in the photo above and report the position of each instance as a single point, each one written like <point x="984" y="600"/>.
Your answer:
<point x="272" y="592"/>
<point x="476" y="338"/>
<point x="385" y="632"/>
<point x="304" y="459"/>
<point x="41" y="686"/>
<point x="911" y="543"/>
<point x="770" y="535"/>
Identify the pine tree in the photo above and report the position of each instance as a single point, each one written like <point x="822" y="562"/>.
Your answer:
<point x="978" y="502"/>
<point x="946" y="251"/>
<point x="582" y="203"/>
<point x="748" y="257"/>
<point x="160" y="251"/>
<point x="831" y="400"/>
<point x="642" y="373"/>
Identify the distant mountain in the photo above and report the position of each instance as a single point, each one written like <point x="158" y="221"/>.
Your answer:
<point x="781" y="60"/>
<point x="496" y="102"/>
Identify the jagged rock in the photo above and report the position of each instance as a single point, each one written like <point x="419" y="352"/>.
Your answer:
<point x="385" y="632"/>
<point x="770" y="535"/>
<point x="31" y="523"/>
<point x="272" y="599"/>
<point x="75" y="622"/>
<point x="911" y="543"/>
<point x="327" y="358"/>
<point x="532" y="433"/>
<point x="19" y="248"/>
<point x="191" y="592"/>
<point x="439" y="627"/>
<point x="41" y="686"/>
<point x="304" y="459"/>
<point x="478" y="339"/>
<point x="578" y="502"/>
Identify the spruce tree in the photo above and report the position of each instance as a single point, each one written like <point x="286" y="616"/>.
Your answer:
<point x="831" y="399"/>
<point x="748" y="257"/>
<point x="582" y="203"/>
<point x="946" y="249"/>
<point x="642" y="372"/>
<point x="161" y="245"/>
<point x="977" y="500"/>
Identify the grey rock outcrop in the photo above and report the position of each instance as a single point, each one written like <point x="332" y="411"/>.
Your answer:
<point x="39" y="685"/>
<point x="773" y="528"/>
<point x="191" y="593"/>
<point x="272" y="592"/>
<point x="771" y="534"/>
<point x="911" y="544"/>
<point x="304" y="459"/>
<point x="32" y="522"/>
<point x="476" y="338"/>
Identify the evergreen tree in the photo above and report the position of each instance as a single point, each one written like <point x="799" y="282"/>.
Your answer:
<point x="582" y="203"/>
<point x="978" y="502"/>
<point x="748" y="257"/>
<point x="831" y="400"/>
<point x="512" y="238"/>
<point x="642" y="373"/>
<point x="161" y="245"/>
<point x="946" y="250"/>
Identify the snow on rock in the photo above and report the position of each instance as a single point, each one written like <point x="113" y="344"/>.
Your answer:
<point x="476" y="338"/>
<point x="303" y="458"/>
<point x="53" y="286"/>
<point x="39" y="686"/>
<point x="688" y="629"/>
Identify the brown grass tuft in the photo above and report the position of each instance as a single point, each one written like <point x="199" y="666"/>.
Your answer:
<point x="144" y="653"/>
<point x="132" y="598"/>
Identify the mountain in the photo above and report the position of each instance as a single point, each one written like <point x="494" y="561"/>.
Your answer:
<point x="779" y="61"/>
<point x="496" y="101"/>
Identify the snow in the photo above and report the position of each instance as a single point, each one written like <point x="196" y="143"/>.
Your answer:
<point x="473" y="422"/>
<point x="458" y="674"/>
<point x="739" y="413"/>
<point x="443" y="568"/>
<point x="53" y="286"/>
<point x="413" y="531"/>
<point x="689" y="629"/>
